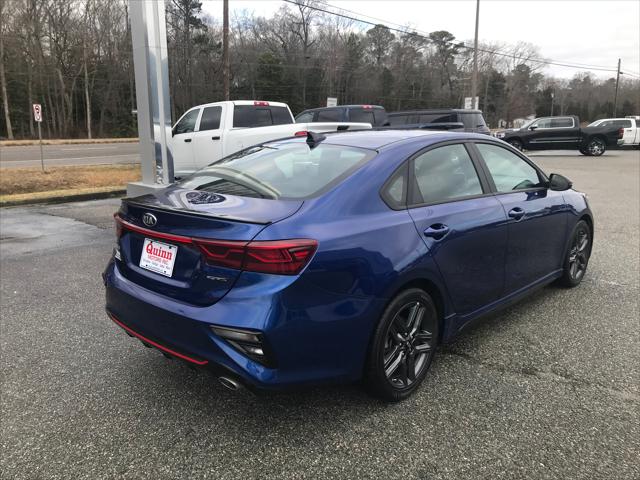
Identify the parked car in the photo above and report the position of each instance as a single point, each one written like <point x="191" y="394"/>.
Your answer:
<point x="206" y="133"/>
<point x="442" y="119"/>
<point x="373" y="114"/>
<point x="631" y="126"/>
<point x="339" y="257"/>
<point x="562" y="133"/>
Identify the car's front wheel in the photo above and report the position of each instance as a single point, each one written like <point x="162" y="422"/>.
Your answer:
<point x="577" y="257"/>
<point x="403" y="346"/>
<point x="515" y="143"/>
<point x="596" y="147"/>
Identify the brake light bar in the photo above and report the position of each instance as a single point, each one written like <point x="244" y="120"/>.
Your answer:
<point x="280" y="257"/>
<point x="620" y="132"/>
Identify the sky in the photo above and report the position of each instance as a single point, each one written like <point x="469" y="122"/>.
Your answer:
<point x="592" y="32"/>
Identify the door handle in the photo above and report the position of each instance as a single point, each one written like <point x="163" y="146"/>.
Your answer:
<point x="437" y="231"/>
<point x="516" y="213"/>
<point x="187" y="140"/>
<point x="215" y="138"/>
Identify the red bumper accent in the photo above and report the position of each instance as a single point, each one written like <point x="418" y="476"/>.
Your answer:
<point x="157" y="345"/>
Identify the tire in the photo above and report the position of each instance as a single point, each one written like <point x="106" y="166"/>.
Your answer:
<point x="577" y="257"/>
<point x="595" y="147"/>
<point x="583" y="151"/>
<point x="515" y="143"/>
<point x="403" y="346"/>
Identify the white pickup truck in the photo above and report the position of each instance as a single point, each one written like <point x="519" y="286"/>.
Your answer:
<point x="209" y="132"/>
<point x="631" y="126"/>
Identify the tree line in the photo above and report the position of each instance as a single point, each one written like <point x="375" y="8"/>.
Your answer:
<point x="75" y="58"/>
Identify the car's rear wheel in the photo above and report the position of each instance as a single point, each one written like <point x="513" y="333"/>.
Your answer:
<point x="403" y="346"/>
<point x="596" y="147"/>
<point x="583" y="151"/>
<point x="517" y="144"/>
<point x="577" y="257"/>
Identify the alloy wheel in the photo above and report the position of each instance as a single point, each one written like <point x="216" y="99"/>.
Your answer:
<point x="408" y="344"/>
<point x="596" y="147"/>
<point x="579" y="253"/>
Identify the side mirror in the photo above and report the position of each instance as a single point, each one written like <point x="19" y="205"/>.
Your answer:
<point x="533" y="127"/>
<point x="559" y="182"/>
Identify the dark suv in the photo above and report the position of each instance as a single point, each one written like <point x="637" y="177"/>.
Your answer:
<point x="442" y="119"/>
<point x="373" y="114"/>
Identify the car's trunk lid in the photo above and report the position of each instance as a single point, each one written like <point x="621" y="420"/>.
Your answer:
<point x="169" y="220"/>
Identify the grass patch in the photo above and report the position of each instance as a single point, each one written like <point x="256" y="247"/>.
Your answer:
<point x="30" y="180"/>
<point x="65" y="141"/>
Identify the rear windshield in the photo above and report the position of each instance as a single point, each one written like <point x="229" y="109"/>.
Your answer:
<point x="247" y="116"/>
<point x="279" y="171"/>
<point x="361" y="115"/>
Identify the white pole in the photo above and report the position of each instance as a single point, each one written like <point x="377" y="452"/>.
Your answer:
<point x="40" y="139"/>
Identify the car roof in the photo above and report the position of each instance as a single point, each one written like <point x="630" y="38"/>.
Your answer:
<point x="344" y="106"/>
<point x="380" y="139"/>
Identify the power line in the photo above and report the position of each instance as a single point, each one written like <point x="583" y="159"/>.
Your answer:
<point x="461" y="44"/>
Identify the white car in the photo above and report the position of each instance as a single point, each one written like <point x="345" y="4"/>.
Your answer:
<point x="206" y="133"/>
<point x="631" y="126"/>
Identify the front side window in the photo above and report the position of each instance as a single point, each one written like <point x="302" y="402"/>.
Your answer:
<point x="509" y="171"/>
<point x="398" y="119"/>
<point x="542" y="123"/>
<point x="187" y="123"/>
<point x="473" y="120"/>
<point x="289" y="170"/>
<point x="305" y="117"/>
<point x="210" y="118"/>
<point x="443" y="174"/>
<point x="437" y="118"/>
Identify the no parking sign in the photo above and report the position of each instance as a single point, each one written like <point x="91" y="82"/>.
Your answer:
<point x="37" y="112"/>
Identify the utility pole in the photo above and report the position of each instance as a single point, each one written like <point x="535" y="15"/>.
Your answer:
<point x="225" y="47"/>
<point x="552" y="95"/>
<point x="474" y="77"/>
<point x="615" y="98"/>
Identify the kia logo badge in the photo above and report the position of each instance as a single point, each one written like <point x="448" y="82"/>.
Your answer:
<point x="149" y="219"/>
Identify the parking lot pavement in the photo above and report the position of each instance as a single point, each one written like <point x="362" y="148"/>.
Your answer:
<point x="546" y="389"/>
<point x="78" y="154"/>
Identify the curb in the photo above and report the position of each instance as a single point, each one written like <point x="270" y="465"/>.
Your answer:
<point x="78" y="197"/>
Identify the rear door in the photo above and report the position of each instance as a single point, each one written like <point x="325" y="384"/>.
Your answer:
<point x="461" y="223"/>
<point x="207" y="140"/>
<point x="183" y="157"/>
<point x="536" y="216"/>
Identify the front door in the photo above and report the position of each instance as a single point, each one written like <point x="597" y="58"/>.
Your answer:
<point x="207" y="140"/>
<point x="461" y="223"/>
<point x="183" y="142"/>
<point x="537" y="217"/>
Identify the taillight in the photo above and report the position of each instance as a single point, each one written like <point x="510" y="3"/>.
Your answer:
<point x="301" y="133"/>
<point x="118" y="222"/>
<point x="261" y="104"/>
<point x="284" y="257"/>
<point x="620" y="132"/>
<point x="281" y="257"/>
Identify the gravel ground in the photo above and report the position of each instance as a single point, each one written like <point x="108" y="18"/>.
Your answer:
<point x="546" y="389"/>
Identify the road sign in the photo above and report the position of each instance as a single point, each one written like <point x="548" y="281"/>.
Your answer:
<point x="468" y="105"/>
<point x="332" y="102"/>
<point x="37" y="112"/>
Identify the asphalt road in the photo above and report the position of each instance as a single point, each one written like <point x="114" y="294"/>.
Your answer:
<point x="548" y="389"/>
<point x="57" y="155"/>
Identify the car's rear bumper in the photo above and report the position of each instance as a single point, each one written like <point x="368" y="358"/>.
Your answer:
<point x="305" y="350"/>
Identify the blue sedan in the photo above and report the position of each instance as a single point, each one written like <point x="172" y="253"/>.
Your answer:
<point x="341" y="257"/>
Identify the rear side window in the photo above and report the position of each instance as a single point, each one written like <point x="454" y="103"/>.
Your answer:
<point x="473" y="120"/>
<point x="380" y="116"/>
<point x="328" y="116"/>
<point x="622" y="123"/>
<point x="509" y="171"/>
<point x="361" y="115"/>
<point x="287" y="170"/>
<point x="444" y="173"/>
<point x="562" y="122"/>
<point x="437" y="118"/>
<point x="398" y="119"/>
<point x="247" y="116"/>
<point x="210" y="118"/>
<point x="187" y="124"/>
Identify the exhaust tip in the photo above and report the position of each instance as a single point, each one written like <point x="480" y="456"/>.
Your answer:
<point x="229" y="383"/>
